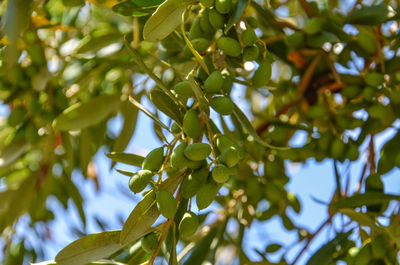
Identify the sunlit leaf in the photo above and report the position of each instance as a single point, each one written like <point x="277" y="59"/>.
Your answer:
<point x="89" y="248"/>
<point x="83" y="115"/>
<point x="130" y="159"/>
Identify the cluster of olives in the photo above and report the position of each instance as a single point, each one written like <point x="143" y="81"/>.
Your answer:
<point x="203" y="181"/>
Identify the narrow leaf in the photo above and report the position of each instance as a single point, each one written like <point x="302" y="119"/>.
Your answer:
<point x="323" y="256"/>
<point x="127" y="8"/>
<point x="130" y="114"/>
<point x="166" y="18"/>
<point x="95" y="43"/>
<point x="83" y="115"/>
<point x="90" y="248"/>
<point x="239" y="8"/>
<point x="167" y="105"/>
<point x="360" y="218"/>
<point x="369" y="15"/>
<point x="201" y="98"/>
<point x="368" y="198"/>
<point x="130" y="159"/>
<point x="148" y="113"/>
<point x="250" y="129"/>
<point x="13" y="151"/>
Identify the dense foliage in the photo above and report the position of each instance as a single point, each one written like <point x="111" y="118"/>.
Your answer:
<point x="330" y="69"/>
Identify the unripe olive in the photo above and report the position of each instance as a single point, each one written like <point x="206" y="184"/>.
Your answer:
<point x="217" y="20"/>
<point x="154" y="160"/>
<point x="214" y="83"/>
<point x="252" y="21"/>
<point x="324" y="141"/>
<point x="184" y="89"/>
<point x="149" y="242"/>
<point x="251" y="53"/>
<point x="229" y="46"/>
<point x="206" y="195"/>
<point x="179" y="160"/>
<point x="221" y="173"/>
<point x="248" y="37"/>
<point x="313" y="26"/>
<point x="221" y="104"/>
<point x="262" y="75"/>
<point x="197" y="151"/>
<point x="191" y="124"/>
<point x="139" y="180"/>
<point x="374" y="79"/>
<point x="189" y="224"/>
<point x="195" y="30"/>
<point x="338" y="148"/>
<point x="230" y="156"/>
<point x="363" y="257"/>
<point x="31" y="133"/>
<point x="223" y="6"/>
<point x="192" y="184"/>
<point x="228" y="83"/>
<point x="379" y="246"/>
<point x="205" y="22"/>
<point x="16" y="116"/>
<point x="207" y="3"/>
<point x="166" y="203"/>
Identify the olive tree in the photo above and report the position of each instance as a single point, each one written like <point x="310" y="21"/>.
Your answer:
<point x="328" y="69"/>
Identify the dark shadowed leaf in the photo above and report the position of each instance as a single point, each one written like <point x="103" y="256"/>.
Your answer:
<point x="367" y="198"/>
<point x="164" y="103"/>
<point x="323" y="256"/>
<point x="369" y="15"/>
<point x="238" y="11"/>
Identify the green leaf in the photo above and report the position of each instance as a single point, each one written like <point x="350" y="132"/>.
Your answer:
<point x="323" y="256"/>
<point x="367" y="198"/>
<point x="369" y="15"/>
<point x="389" y="153"/>
<point x="128" y="8"/>
<point x="85" y="151"/>
<point x="201" y="249"/>
<point x="359" y="217"/>
<point x="95" y="43"/>
<point x="14" y="202"/>
<point x="13" y="151"/>
<point x="167" y="17"/>
<point x="90" y="248"/>
<point x="198" y="92"/>
<point x="244" y="121"/>
<point x="83" y="115"/>
<point x="239" y="8"/>
<point x="164" y="103"/>
<point x="130" y="114"/>
<point x="146" y="213"/>
<point x="148" y="113"/>
<point x="130" y="159"/>
<point x="15" y="20"/>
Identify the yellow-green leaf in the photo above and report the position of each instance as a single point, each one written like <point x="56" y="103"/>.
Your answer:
<point x="83" y="115"/>
<point x="166" y="18"/>
<point x="90" y="248"/>
<point x="130" y="159"/>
